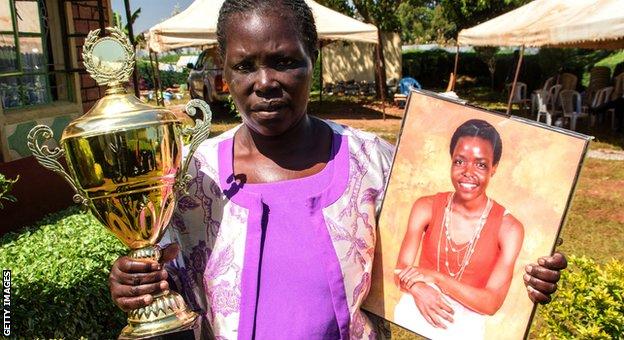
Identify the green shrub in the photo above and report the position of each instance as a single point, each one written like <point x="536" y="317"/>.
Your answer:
<point x="5" y="187"/>
<point x="589" y="303"/>
<point x="59" y="278"/>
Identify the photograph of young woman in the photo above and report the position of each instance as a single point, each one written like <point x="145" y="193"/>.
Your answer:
<point x="468" y="243"/>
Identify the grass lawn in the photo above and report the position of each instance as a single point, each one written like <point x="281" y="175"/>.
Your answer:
<point x="595" y="224"/>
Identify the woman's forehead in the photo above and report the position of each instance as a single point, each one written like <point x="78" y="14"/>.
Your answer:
<point x="258" y="31"/>
<point x="474" y="144"/>
<point x="268" y="20"/>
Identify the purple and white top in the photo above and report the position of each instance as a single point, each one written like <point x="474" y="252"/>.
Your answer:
<point x="238" y="239"/>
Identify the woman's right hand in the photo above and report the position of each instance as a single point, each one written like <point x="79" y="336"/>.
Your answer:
<point x="431" y="304"/>
<point x="132" y="283"/>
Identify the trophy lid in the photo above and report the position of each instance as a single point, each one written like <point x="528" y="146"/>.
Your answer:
<point x="110" y="61"/>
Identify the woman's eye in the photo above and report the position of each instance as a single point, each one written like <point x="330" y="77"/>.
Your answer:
<point x="285" y="63"/>
<point x="243" y="67"/>
<point x="458" y="162"/>
<point x="482" y="166"/>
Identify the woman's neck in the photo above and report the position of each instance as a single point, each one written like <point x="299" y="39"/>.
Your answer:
<point x="302" y="145"/>
<point x="472" y="207"/>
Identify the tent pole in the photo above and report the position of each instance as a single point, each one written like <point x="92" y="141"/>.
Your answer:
<point x="151" y="60"/>
<point x="321" y="75"/>
<point x="454" y="76"/>
<point x="135" y="74"/>
<point x="159" y="99"/>
<point x="513" y="86"/>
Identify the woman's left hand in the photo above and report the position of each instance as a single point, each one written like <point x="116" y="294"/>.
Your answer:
<point x="541" y="278"/>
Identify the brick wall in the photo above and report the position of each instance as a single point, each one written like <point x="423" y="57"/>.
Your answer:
<point x="33" y="202"/>
<point x="87" y="18"/>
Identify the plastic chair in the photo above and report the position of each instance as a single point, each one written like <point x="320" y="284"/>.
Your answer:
<point x="601" y="97"/>
<point x="553" y="98"/>
<point x="599" y="77"/>
<point x="546" y="87"/>
<point x="520" y="95"/>
<point x="571" y="106"/>
<point x="407" y="84"/>
<point x="404" y="87"/>
<point x="541" y="98"/>
<point x="618" y="92"/>
<point x="568" y="81"/>
<point x="618" y="88"/>
<point x="548" y="83"/>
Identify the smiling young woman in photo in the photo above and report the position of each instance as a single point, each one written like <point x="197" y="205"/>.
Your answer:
<point x="277" y="235"/>
<point x="469" y="248"/>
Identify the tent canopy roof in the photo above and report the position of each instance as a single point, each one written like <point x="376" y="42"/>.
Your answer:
<point x="197" y="26"/>
<point x="597" y="24"/>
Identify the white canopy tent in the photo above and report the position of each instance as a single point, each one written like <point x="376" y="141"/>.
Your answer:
<point x="197" y="26"/>
<point x="594" y="24"/>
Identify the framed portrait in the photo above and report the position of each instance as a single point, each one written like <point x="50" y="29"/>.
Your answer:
<point x="473" y="197"/>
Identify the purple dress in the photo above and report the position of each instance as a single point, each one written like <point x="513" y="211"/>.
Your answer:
<point x="295" y="291"/>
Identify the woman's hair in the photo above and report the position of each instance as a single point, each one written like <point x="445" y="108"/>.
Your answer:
<point x="298" y="12"/>
<point x="482" y="129"/>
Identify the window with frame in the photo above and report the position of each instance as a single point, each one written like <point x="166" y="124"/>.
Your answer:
<point x="27" y="71"/>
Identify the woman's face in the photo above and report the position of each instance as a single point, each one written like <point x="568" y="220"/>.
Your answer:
<point x="472" y="167"/>
<point x="268" y="70"/>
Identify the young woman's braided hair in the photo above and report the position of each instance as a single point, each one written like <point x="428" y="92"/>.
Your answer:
<point x="296" y="10"/>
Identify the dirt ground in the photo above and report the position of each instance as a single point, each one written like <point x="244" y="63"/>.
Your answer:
<point x="367" y="116"/>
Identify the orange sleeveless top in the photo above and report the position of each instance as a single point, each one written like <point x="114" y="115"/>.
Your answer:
<point x="487" y="250"/>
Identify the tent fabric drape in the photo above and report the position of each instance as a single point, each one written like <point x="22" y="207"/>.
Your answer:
<point x="594" y="24"/>
<point x="197" y="26"/>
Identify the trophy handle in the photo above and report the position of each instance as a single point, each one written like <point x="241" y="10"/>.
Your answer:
<point x="196" y="134"/>
<point x="49" y="158"/>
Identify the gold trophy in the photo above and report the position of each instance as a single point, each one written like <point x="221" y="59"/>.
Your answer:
<point x="125" y="164"/>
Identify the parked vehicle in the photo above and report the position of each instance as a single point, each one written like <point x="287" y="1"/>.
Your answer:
<point x="205" y="79"/>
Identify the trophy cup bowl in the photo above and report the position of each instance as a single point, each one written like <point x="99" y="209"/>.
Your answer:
<point x="125" y="165"/>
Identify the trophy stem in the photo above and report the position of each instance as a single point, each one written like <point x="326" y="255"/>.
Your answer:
<point x="167" y="313"/>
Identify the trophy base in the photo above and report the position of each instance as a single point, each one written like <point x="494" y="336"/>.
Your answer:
<point x="165" y="315"/>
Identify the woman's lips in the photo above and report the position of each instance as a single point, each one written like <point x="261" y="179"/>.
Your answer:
<point x="269" y="106"/>
<point x="467" y="186"/>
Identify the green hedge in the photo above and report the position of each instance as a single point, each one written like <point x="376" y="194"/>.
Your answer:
<point x="60" y="270"/>
<point x="432" y="68"/>
<point x="59" y="278"/>
<point x="589" y="303"/>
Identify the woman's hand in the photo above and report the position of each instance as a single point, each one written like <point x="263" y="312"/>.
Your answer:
<point x="541" y="278"/>
<point x="405" y="278"/>
<point x="132" y="283"/>
<point x="431" y="305"/>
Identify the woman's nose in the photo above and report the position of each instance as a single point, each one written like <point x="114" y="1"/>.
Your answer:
<point x="468" y="170"/>
<point x="265" y="81"/>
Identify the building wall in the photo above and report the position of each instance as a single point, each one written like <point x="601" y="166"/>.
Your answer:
<point x="355" y="60"/>
<point x="86" y="17"/>
<point x="82" y="16"/>
<point x="40" y="191"/>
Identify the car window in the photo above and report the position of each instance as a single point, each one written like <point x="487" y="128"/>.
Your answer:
<point x="200" y="61"/>
<point x="208" y="62"/>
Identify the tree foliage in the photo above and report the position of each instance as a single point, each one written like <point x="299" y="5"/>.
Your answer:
<point x="381" y="13"/>
<point x="468" y="13"/>
<point x="341" y="6"/>
<point x="423" y="22"/>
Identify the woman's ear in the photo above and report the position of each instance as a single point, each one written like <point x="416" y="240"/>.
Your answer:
<point x="315" y="56"/>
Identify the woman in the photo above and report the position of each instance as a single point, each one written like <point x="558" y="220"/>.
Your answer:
<point x="281" y="213"/>
<point x="469" y="248"/>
